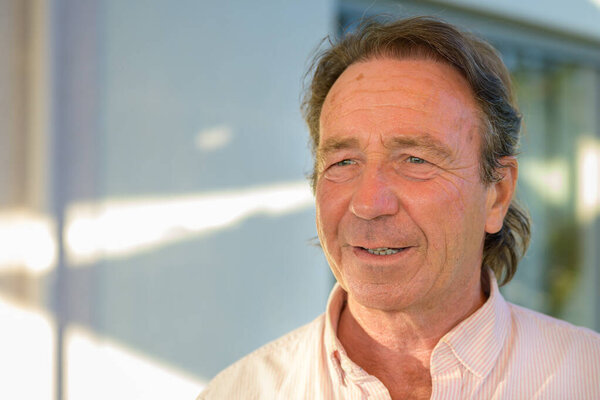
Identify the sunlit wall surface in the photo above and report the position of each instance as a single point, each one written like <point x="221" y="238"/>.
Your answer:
<point x="155" y="219"/>
<point x="199" y="245"/>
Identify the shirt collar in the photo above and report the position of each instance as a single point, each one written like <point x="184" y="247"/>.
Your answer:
<point x="476" y="342"/>
<point x="333" y="347"/>
<point x="338" y="359"/>
<point x="335" y="304"/>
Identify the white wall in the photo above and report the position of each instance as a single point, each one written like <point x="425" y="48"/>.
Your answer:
<point x="173" y="76"/>
<point x="169" y="106"/>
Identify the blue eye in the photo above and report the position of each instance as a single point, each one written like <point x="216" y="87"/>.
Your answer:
<point x="416" y="160"/>
<point x="344" y="163"/>
<point x="341" y="171"/>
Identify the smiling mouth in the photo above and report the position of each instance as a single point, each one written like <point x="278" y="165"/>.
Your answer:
<point x="383" y="251"/>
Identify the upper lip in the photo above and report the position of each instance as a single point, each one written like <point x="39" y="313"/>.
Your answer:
<point x="373" y="247"/>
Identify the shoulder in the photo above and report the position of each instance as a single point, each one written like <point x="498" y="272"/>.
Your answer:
<point x="557" y="338"/>
<point x="525" y="318"/>
<point x="265" y="370"/>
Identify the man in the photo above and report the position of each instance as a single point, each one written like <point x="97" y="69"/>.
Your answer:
<point x="415" y="132"/>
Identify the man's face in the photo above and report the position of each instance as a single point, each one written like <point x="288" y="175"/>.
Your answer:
<point x="401" y="210"/>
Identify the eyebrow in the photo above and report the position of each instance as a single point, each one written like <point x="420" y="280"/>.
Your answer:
<point x="334" y="144"/>
<point x="426" y="141"/>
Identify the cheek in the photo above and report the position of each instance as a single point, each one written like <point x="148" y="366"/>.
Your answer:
<point x="329" y="214"/>
<point x="441" y="208"/>
<point x="329" y="211"/>
<point x="436" y="198"/>
<point x="459" y="213"/>
<point x="320" y="213"/>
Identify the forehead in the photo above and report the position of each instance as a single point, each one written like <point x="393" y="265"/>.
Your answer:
<point x="403" y="96"/>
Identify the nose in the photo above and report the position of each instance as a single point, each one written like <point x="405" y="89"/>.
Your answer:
<point x="373" y="196"/>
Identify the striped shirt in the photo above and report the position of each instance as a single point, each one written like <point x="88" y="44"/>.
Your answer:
<point x="501" y="351"/>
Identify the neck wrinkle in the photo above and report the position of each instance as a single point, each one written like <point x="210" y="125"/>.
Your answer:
<point x="400" y="332"/>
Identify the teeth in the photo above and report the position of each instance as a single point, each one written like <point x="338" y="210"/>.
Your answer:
<point x="383" y="251"/>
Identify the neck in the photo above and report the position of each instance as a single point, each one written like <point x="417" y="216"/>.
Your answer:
<point x="395" y="344"/>
<point x="402" y="331"/>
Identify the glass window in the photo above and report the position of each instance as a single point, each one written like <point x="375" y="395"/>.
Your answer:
<point x="559" y="165"/>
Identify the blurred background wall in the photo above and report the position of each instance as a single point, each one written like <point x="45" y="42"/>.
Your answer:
<point x="155" y="220"/>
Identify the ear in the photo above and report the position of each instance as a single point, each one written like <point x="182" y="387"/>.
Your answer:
<point x="500" y="194"/>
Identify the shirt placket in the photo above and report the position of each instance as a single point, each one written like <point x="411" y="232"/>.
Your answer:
<point x="447" y="385"/>
<point x="446" y="374"/>
<point x="361" y="385"/>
